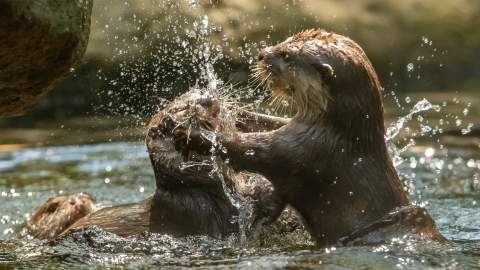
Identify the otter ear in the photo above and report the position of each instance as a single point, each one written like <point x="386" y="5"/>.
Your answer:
<point x="326" y="71"/>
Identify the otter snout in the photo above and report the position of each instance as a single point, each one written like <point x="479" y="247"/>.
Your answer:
<point x="272" y="61"/>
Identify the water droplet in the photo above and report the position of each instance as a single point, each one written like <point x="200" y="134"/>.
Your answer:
<point x="471" y="163"/>
<point x="429" y="152"/>
<point x="410" y="67"/>
<point x="468" y="129"/>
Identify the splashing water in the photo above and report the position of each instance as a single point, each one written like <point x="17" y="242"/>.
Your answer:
<point x="208" y="55"/>
<point x="393" y="131"/>
<point x="421" y="106"/>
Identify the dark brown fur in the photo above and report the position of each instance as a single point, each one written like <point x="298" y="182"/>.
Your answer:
<point x="330" y="161"/>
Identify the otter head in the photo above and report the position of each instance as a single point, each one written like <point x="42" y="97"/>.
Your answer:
<point x="195" y="110"/>
<point x="58" y="213"/>
<point x="328" y="77"/>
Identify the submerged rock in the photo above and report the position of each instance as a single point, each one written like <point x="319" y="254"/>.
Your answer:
<point x="41" y="42"/>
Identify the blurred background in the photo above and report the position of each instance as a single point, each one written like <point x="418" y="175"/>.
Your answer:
<point x="143" y="53"/>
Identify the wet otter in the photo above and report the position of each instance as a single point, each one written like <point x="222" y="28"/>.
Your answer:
<point x="330" y="161"/>
<point x="189" y="199"/>
<point x="58" y="213"/>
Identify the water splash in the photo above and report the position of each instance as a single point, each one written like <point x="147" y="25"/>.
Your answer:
<point x="220" y="169"/>
<point x="421" y="106"/>
<point x="393" y="131"/>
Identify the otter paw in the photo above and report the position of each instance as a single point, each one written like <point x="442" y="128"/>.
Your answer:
<point x="168" y="124"/>
<point x="163" y="128"/>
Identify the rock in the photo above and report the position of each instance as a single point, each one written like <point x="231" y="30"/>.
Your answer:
<point x="41" y="41"/>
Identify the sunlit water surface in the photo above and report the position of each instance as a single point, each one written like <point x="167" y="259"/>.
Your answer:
<point x="446" y="182"/>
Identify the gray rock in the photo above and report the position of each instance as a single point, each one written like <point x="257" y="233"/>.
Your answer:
<point x="40" y="42"/>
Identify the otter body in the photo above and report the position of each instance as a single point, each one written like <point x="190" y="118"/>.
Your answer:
<point x="330" y="161"/>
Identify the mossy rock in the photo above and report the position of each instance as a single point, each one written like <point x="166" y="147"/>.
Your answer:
<point x="42" y="40"/>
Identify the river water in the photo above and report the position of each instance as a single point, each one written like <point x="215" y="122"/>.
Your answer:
<point x="444" y="181"/>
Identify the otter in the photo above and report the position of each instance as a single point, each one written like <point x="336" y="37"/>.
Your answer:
<point x="201" y="109"/>
<point x="330" y="161"/>
<point x="189" y="198"/>
<point x="58" y="213"/>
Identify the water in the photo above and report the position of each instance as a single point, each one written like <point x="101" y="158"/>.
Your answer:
<point x="445" y="182"/>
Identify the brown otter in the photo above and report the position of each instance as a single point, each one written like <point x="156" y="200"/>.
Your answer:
<point x="189" y="199"/>
<point x="58" y="213"/>
<point x="330" y="161"/>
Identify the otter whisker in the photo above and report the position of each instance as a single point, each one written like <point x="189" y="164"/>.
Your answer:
<point x="274" y="99"/>
<point x="281" y="105"/>
<point x="256" y="78"/>
<point x="276" y="102"/>
<point x="183" y="122"/>
<point x="267" y="77"/>
<point x="246" y="106"/>
<point x="260" y="84"/>
<point x="255" y="67"/>
<point x="264" y="80"/>
<point x="232" y="92"/>
<point x="258" y="72"/>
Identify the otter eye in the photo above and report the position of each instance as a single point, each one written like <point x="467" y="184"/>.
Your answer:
<point x="52" y="207"/>
<point x="285" y="55"/>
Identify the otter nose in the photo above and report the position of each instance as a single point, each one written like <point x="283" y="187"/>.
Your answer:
<point x="265" y="54"/>
<point x="77" y="203"/>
